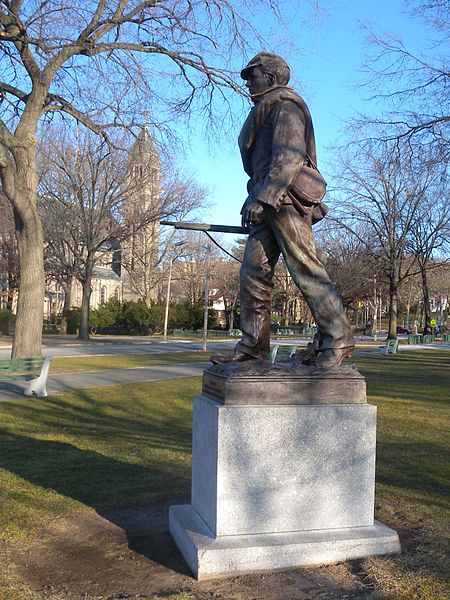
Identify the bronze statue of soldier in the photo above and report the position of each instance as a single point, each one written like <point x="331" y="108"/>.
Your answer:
<point x="275" y="141"/>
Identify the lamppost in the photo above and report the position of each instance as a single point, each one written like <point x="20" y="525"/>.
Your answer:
<point x="375" y="310"/>
<point x="205" y="314"/>
<point x="169" y="281"/>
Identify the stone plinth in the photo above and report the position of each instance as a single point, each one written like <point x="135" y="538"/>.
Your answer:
<point x="209" y="557"/>
<point x="281" y="484"/>
<point x="269" y="469"/>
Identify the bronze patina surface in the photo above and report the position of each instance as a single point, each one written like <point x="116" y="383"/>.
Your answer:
<point x="259" y="382"/>
<point x="276" y="141"/>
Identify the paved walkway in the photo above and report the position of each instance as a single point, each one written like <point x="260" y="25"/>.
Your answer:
<point x="105" y="377"/>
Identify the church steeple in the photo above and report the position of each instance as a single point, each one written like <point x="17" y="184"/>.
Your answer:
<point x="144" y="146"/>
<point x="142" y="195"/>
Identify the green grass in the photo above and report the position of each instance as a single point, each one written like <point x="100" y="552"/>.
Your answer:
<point x="130" y="445"/>
<point x="75" y="364"/>
<point x="97" y="448"/>
<point x="411" y="391"/>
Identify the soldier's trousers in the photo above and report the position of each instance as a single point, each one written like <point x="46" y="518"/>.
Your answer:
<point x="289" y="233"/>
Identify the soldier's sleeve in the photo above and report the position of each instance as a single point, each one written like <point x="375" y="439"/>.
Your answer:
<point x="288" y="152"/>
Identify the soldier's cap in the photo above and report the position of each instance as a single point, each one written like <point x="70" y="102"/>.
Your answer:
<point x="269" y="63"/>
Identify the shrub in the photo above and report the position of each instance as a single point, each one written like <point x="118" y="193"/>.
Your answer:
<point x="156" y="317"/>
<point x="73" y="317"/>
<point x="106" y="315"/>
<point x="135" y="318"/>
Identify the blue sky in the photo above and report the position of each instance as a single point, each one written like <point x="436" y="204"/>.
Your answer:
<point x="326" y="67"/>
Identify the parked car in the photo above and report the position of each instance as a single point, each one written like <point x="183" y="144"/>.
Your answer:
<point x="404" y="330"/>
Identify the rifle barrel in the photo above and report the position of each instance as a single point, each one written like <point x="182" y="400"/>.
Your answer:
<point x="206" y="227"/>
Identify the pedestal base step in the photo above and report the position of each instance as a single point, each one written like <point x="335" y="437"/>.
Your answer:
<point x="210" y="557"/>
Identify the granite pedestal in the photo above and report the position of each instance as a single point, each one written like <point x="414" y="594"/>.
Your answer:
<point x="279" y="478"/>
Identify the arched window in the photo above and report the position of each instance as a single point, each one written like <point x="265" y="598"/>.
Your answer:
<point x="117" y="293"/>
<point x="103" y="295"/>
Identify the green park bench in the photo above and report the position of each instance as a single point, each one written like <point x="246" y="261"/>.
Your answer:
<point x="34" y="370"/>
<point x="235" y="332"/>
<point x="200" y="333"/>
<point x="415" y="338"/>
<point x="391" y="347"/>
<point x="282" y="352"/>
<point x="427" y="339"/>
<point x="446" y="337"/>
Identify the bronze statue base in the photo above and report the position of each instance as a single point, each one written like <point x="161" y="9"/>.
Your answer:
<point x="260" y="382"/>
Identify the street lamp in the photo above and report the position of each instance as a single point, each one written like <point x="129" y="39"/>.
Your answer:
<point x="169" y="281"/>
<point x="375" y="309"/>
<point x="205" y="314"/>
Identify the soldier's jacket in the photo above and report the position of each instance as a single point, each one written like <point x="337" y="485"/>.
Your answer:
<point x="274" y="141"/>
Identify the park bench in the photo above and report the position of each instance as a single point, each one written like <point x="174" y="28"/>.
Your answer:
<point x="446" y="337"/>
<point x="284" y="332"/>
<point x="179" y="333"/>
<point x="235" y="332"/>
<point x="282" y="351"/>
<point x="427" y="339"/>
<point x="391" y="347"/>
<point x="34" y="370"/>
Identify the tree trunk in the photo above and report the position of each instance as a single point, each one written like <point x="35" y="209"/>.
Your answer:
<point x="86" y="300"/>
<point x="10" y="299"/>
<point x="393" y="307"/>
<point x="234" y="320"/>
<point x="426" y="301"/>
<point x="19" y="184"/>
<point x="67" y="287"/>
<point x="408" y="307"/>
<point x="30" y="303"/>
<point x="226" y="312"/>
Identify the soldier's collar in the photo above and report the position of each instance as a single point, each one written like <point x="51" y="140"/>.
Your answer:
<point x="259" y="96"/>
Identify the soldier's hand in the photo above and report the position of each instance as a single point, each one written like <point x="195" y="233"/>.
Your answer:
<point x="253" y="214"/>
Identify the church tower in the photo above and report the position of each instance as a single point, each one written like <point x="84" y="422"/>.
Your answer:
<point x="141" y="211"/>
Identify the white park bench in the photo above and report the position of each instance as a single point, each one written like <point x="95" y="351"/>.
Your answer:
<point x="282" y="352"/>
<point x="34" y="370"/>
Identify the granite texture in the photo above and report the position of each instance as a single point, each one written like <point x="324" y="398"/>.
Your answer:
<point x="272" y="469"/>
<point x="210" y="557"/>
<point x="283" y="472"/>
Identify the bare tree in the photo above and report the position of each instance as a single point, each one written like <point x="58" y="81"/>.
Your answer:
<point x="439" y="281"/>
<point x="415" y="84"/>
<point x="190" y="270"/>
<point x="287" y="298"/>
<point x="62" y="245"/>
<point x="181" y="196"/>
<point x="381" y="190"/>
<point x="102" y="63"/>
<point x="351" y="267"/>
<point x="226" y="281"/>
<point x="83" y="190"/>
<point x="409" y="294"/>
<point x="8" y="256"/>
<point x="430" y="237"/>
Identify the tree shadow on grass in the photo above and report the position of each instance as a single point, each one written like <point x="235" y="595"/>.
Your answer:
<point x="415" y="466"/>
<point x="408" y="376"/>
<point x="12" y="389"/>
<point x="101" y="481"/>
<point x="92" y="479"/>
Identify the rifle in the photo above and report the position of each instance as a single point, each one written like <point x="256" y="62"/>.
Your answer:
<point x="206" y="227"/>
